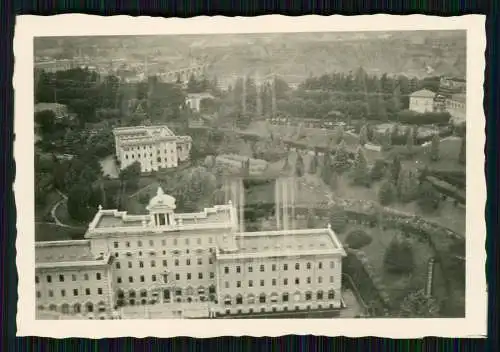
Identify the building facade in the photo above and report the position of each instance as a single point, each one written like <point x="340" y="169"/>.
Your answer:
<point x="422" y="101"/>
<point x="456" y="106"/>
<point x="166" y="264"/>
<point x="154" y="147"/>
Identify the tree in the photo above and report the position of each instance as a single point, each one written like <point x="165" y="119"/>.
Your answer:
<point x="299" y="165"/>
<point x="81" y="202"/>
<point x="363" y="135"/>
<point x="378" y="170"/>
<point x="339" y="134"/>
<point x="360" y="175"/>
<point x="130" y="175"/>
<point x="462" y="156"/>
<point x="398" y="258"/>
<point x="338" y="219"/>
<point x="409" y="140"/>
<point x="311" y="219"/>
<point x="434" y="152"/>
<point x="358" y="239"/>
<point x="313" y="165"/>
<point x="428" y="199"/>
<point x="45" y="120"/>
<point x="341" y="158"/>
<point x="326" y="169"/>
<point x="387" y="193"/>
<point x="418" y="305"/>
<point x="404" y="186"/>
<point x="395" y="168"/>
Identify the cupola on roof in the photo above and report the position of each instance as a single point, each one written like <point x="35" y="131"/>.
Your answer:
<point x="161" y="200"/>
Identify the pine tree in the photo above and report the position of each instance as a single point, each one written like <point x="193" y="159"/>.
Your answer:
<point x="299" y="165"/>
<point x="360" y="174"/>
<point x="434" y="153"/>
<point x="363" y="135"/>
<point x="462" y="155"/>
<point x="387" y="193"/>
<point x="395" y="168"/>
<point x="341" y="158"/>
<point x="405" y="186"/>
<point x="428" y="199"/>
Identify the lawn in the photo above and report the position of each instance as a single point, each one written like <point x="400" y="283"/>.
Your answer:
<point x="397" y="286"/>
<point x="52" y="232"/>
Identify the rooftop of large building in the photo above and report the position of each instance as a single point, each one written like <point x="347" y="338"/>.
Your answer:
<point x="66" y="253"/>
<point x="280" y="243"/>
<point x="119" y="222"/>
<point x="140" y="134"/>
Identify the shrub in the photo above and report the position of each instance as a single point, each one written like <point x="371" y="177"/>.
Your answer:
<point x="398" y="257"/>
<point x="358" y="239"/>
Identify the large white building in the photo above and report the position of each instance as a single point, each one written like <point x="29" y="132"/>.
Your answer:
<point x="166" y="264"/>
<point x="154" y="147"/>
<point x="422" y="101"/>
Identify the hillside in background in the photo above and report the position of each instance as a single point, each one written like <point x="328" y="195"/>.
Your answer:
<point x="294" y="56"/>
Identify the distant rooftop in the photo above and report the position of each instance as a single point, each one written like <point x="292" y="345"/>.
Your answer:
<point x="69" y="253"/>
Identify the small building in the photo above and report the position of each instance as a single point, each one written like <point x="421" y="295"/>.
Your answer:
<point x="154" y="147"/>
<point x="193" y="100"/>
<point x="422" y="101"/>
<point x="456" y="106"/>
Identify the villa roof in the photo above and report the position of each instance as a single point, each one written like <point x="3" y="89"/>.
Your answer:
<point x="66" y="253"/>
<point x="423" y="93"/>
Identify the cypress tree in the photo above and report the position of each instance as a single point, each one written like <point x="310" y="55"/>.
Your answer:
<point x="434" y="153"/>
<point x="360" y="172"/>
<point x="341" y="158"/>
<point x="299" y="165"/>
<point x="313" y="165"/>
<point x="395" y="168"/>
<point x="409" y="140"/>
<point x="363" y="135"/>
<point x="387" y="193"/>
<point x="428" y="199"/>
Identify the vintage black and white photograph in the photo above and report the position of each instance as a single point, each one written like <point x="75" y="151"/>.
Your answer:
<point x="294" y="175"/>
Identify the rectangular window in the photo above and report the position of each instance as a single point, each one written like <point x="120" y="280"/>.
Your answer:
<point x="320" y="265"/>
<point x="117" y="265"/>
<point x="151" y="243"/>
<point x="86" y="277"/>
<point x="320" y="279"/>
<point x="163" y="242"/>
<point x="331" y="279"/>
<point x="130" y="265"/>
<point x="141" y="264"/>
<point x="176" y="262"/>
<point x="61" y="278"/>
<point x="51" y="293"/>
<point x="238" y="269"/>
<point x="238" y="284"/>
<point x="153" y="264"/>
<point x="210" y="261"/>
<point x="165" y="263"/>
<point x="115" y="244"/>
<point x="262" y="268"/>
<point x="199" y="261"/>
<point x="75" y="292"/>
<point x="127" y="244"/>
<point x="188" y="261"/>
<point x="309" y="280"/>
<point x="153" y="278"/>
<point x="177" y="277"/>
<point x="37" y="280"/>
<point x="141" y="278"/>
<point x="226" y="284"/>
<point x="73" y="277"/>
<point x="226" y="270"/>
<point x="49" y="279"/>
<point x="274" y="282"/>
<point x="99" y="291"/>
<point x="200" y="276"/>
<point x="63" y="293"/>
<point x="87" y="291"/>
<point x="139" y="243"/>
<point x="119" y="280"/>
<point x="98" y="276"/>
<point x="308" y="266"/>
<point x="285" y="267"/>
<point x="332" y="265"/>
<point x="250" y="269"/>
<point x="261" y="282"/>
<point x="273" y="267"/>
<point x="212" y="275"/>
<point x="285" y="282"/>
<point x="188" y="275"/>
<point x="297" y="281"/>
<point x="130" y="279"/>
<point x="297" y="266"/>
<point x="250" y="283"/>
